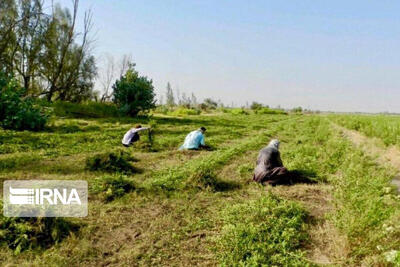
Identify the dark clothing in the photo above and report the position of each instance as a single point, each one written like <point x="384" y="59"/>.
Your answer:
<point x="135" y="137"/>
<point x="269" y="167"/>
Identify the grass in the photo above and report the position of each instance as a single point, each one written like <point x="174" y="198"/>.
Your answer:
<point x="384" y="127"/>
<point x="266" y="231"/>
<point x="198" y="207"/>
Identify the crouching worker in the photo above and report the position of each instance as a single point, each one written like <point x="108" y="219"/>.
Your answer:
<point x="132" y="135"/>
<point x="195" y="140"/>
<point x="269" y="169"/>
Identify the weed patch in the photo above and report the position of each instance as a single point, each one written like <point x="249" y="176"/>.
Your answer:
<point x="113" y="186"/>
<point x="118" y="161"/>
<point x="266" y="232"/>
<point x="20" y="234"/>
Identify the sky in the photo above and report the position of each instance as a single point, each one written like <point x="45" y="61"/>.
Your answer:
<point x="321" y="55"/>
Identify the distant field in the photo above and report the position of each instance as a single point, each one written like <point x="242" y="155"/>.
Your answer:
<point x="199" y="208"/>
<point x="384" y="127"/>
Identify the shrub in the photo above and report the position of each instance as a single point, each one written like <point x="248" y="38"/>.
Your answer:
<point x="16" y="111"/>
<point x="298" y="110"/>
<point x="110" y="162"/>
<point x="85" y="110"/>
<point x="134" y="93"/>
<point x="265" y="232"/>
<point x="21" y="234"/>
<point x="238" y="111"/>
<point x="163" y="109"/>
<point x="208" y="103"/>
<point x="266" y="110"/>
<point x="256" y="105"/>
<point x="112" y="187"/>
<point x="184" y="111"/>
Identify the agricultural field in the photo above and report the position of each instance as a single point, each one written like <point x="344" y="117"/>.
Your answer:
<point x="153" y="205"/>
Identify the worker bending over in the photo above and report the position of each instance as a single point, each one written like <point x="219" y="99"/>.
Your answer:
<point x="132" y="135"/>
<point x="195" y="140"/>
<point x="269" y="169"/>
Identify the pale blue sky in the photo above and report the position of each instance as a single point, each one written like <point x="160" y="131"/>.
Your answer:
<point x="326" y="55"/>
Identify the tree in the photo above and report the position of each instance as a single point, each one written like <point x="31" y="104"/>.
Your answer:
<point x="106" y="77"/>
<point x="29" y="42"/>
<point x="112" y="69"/>
<point x="208" y="103"/>
<point x="170" y="100"/>
<point x="16" y="111"/>
<point x="134" y="93"/>
<point x="8" y="23"/>
<point x="40" y="50"/>
<point x="193" y="100"/>
<point x="66" y="64"/>
<point x="256" y="105"/>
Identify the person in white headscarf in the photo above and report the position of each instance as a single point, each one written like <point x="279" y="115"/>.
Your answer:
<point x="269" y="169"/>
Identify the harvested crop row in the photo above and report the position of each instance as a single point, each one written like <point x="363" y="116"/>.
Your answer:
<point x="201" y="173"/>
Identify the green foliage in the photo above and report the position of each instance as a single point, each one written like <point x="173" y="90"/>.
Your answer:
<point x="113" y="186"/>
<point x="208" y="103"/>
<point x="265" y="232"/>
<point x="134" y="93"/>
<point x="40" y="48"/>
<point x="297" y="110"/>
<point x="20" y="234"/>
<point x="118" y="161"/>
<point x="266" y="110"/>
<point x="200" y="174"/>
<point x="85" y="110"/>
<point x="17" y="112"/>
<point x="238" y="111"/>
<point x="256" y="105"/>
<point x="188" y="216"/>
<point x="181" y="111"/>
<point x="367" y="210"/>
<point x="385" y="127"/>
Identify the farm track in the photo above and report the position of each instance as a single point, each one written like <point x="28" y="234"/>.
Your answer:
<point x="375" y="148"/>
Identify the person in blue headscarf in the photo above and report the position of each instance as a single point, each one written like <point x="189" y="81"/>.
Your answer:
<point x="195" y="140"/>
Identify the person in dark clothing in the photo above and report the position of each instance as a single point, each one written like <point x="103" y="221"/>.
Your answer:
<point x="269" y="169"/>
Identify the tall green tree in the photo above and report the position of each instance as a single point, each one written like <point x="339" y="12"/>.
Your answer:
<point x="8" y="23"/>
<point x="134" y="93"/>
<point x="68" y="67"/>
<point x="42" y="51"/>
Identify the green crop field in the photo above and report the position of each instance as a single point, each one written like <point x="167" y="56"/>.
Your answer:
<point x="153" y="205"/>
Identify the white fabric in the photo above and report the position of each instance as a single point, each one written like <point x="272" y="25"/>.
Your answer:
<point x="126" y="140"/>
<point x="274" y="143"/>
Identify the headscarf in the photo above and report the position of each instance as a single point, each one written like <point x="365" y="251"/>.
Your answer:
<point x="274" y="143"/>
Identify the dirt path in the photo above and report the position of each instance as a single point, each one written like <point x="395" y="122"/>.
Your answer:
<point x="326" y="246"/>
<point x="375" y="148"/>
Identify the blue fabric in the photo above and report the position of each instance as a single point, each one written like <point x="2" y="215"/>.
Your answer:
<point x="193" y="140"/>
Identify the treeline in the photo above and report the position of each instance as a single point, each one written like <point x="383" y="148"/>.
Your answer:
<point x="42" y="49"/>
<point x="45" y="59"/>
<point x="178" y="99"/>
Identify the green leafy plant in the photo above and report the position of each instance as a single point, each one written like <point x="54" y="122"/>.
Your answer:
<point x="85" y="110"/>
<point x="265" y="232"/>
<point x="20" y="234"/>
<point x="16" y="111"/>
<point x="113" y="186"/>
<point x="134" y="93"/>
<point x="118" y="161"/>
